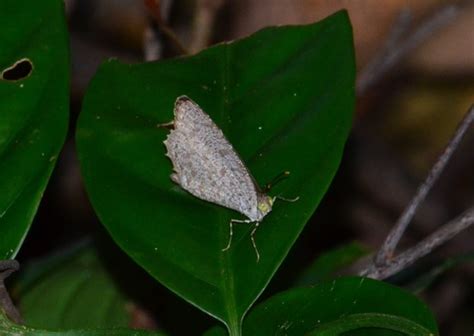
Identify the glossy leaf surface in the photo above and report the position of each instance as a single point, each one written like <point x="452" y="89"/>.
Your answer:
<point x="283" y="97"/>
<point x="346" y="306"/>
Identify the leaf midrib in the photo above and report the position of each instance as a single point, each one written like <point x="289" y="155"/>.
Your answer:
<point x="233" y="320"/>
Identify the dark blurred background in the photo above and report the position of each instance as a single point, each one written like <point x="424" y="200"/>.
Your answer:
<point x="402" y="122"/>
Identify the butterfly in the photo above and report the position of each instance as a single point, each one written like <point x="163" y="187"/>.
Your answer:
<point x="206" y="165"/>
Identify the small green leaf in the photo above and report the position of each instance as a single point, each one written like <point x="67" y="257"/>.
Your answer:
<point x="359" y="305"/>
<point x="7" y="328"/>
<point x="327" y="264"/>
<point x="283" y="97"/>
<point x="34" y="93"/>
<point x="418" y="279"/>
<point x="74" y="291"/>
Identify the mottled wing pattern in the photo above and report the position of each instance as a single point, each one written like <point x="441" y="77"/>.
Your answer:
<point x="206" y="164"/>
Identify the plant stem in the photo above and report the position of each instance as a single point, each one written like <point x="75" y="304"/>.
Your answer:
<point x="235" y="328"/>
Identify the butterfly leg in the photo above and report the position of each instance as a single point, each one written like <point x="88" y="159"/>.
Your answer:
<point x="231" y="231"/>
<point x="288" y="199"/>
<point x="252" y="237"/>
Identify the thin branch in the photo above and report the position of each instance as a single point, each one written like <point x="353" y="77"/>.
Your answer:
<point x="152" y="47"/>
<point x="378" y="66"/>
<point x="396" y="48"/>
<point x="388" y="247"/>
<point x="152" y="37"/>
<point x="407" y="258"/>
<point x="206" y="11"/>
<point x="7" y="267"/>
<point x="155" y="11"/>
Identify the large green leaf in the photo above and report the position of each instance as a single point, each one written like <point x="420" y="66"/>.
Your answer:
<point x="346" y="306"/>
<point x="283" y="97"/>
<point x="33" y="109"/>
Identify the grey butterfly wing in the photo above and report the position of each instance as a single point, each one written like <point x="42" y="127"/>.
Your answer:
<point x="205" y="163"/>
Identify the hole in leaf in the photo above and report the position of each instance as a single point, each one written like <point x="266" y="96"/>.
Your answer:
<point x="20" y="70"/>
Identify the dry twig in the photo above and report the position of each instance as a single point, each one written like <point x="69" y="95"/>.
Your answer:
<point x="155" y="11"/>
<point x="407" y="258"/>
<point x="396" y="48"/>
<point x="384" y="263"/>
<point x="152" y="47"/>
<point x="152" y="39"/>
<point x="388" y="247"/>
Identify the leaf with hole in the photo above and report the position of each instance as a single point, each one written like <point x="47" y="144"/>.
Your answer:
<point x="34" y="98"/>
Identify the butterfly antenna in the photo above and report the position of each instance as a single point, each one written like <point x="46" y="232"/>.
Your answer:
<point x="275" y="180"/>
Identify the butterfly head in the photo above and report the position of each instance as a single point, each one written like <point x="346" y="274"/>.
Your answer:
<point x="264" y="205"/>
